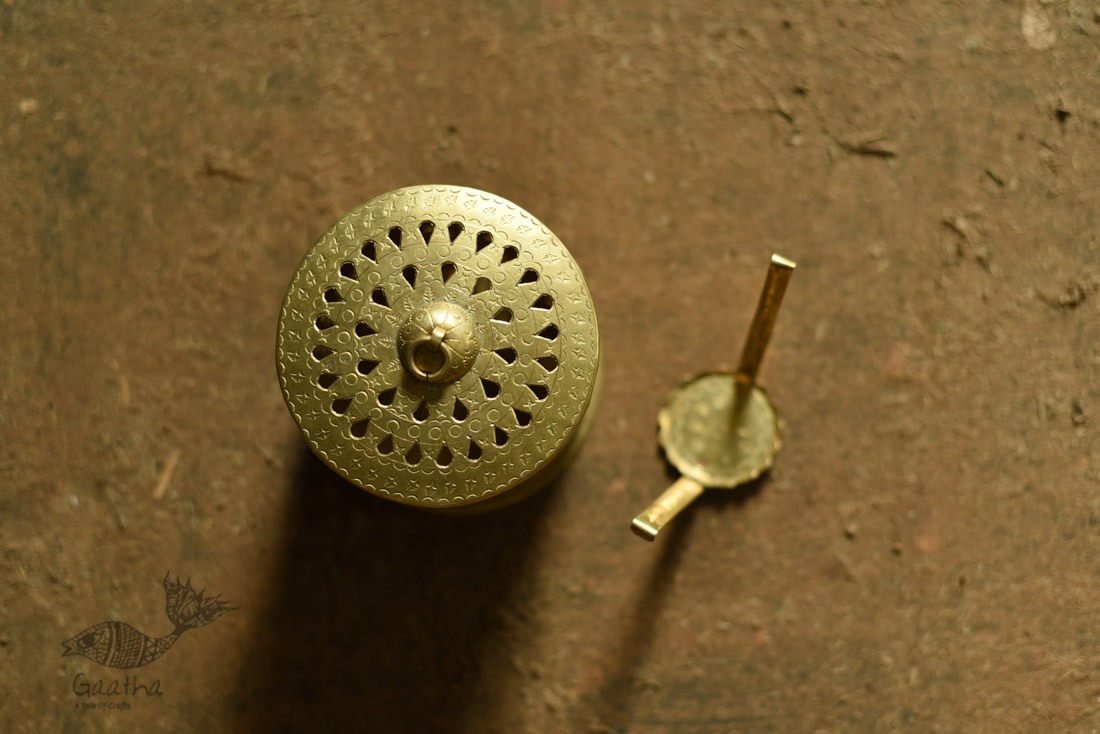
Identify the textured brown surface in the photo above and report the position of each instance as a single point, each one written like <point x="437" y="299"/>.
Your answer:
<point x="924" y="556"/>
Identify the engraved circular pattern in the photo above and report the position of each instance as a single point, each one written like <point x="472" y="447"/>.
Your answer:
<point x="438" y="444"/>
<point x="718" y="431"/>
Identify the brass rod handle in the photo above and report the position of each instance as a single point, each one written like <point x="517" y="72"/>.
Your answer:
<point x="763" y="321"/>
<point x="682" y="493"/>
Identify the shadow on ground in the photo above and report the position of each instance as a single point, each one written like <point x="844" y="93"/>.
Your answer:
<point x="612" y="708"/>
<point x="383" y="618"/>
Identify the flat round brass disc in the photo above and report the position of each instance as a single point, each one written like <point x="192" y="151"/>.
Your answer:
<point x="438" y="346"/>
<point x="719" y="431"/>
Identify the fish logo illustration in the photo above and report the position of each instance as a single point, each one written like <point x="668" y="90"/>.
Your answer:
<point x="118" y="645"/>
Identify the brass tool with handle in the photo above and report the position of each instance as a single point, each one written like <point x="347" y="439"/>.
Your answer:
<point x="720" y="429"/>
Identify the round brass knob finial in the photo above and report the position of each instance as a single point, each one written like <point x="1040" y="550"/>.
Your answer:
<point x="438" y="347"/>
<point x="438" y="342"/>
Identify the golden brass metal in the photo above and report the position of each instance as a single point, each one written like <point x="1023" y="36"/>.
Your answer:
<point x="682" y="493"/>
<point x="763" y="321"/>
<point x="438" y="347"/>
<point x="720" y="429"/>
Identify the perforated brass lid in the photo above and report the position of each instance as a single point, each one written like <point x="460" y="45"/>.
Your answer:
<point x="438" y="346"/>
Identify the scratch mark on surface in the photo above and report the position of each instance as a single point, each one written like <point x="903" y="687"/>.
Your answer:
<point x="166" y="475"/>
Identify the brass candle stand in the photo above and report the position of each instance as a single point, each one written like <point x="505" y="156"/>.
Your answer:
<point x="720" y="429"/>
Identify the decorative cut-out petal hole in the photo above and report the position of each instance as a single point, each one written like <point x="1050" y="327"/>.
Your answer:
<point x="447" y="270"/>
<point x="427" y="229"/>
<point x="326" y="380"/>
<point x="454" y="229"/>
<point x="529" y="276"/>
<point x="460" y="412"/>
<point x="421" y="412"/>
<point x="545" y="302"/>
<point x="522" y="417"/>
<point x="409" y="274"/>
<point x="333" y="296"/>
<point x="378" y="295"/>
<point x="549" y="363"/>
<point x="483" y="284"/>
<point x="370" y="250"/>
<point x="507" y="354"/>
<point x="414" y="455"/>
<point x="395" y="235"/>
<point x="386" y="396"/>
<point x="504" y="315"/>
<point x="366" y="366"/>
<point x="492" y="389"/>
<point x="359" y="428"/>
<point x="484" y="239"/>
<point x="364" y="329"/>
<point x="341" y="405"/>
<point x="348" y="271"/>
<point x="475" y="451"/>
<point x="321" y="351"/>
<point x="549" y="332"/>
<point x="541" y="391"/>
<point x="386" y="445"/>
<point x="500" y="436"/>
<point x="510" y="253"/>
<point x="324" y="322"/>
<point x="445" y="457"/>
